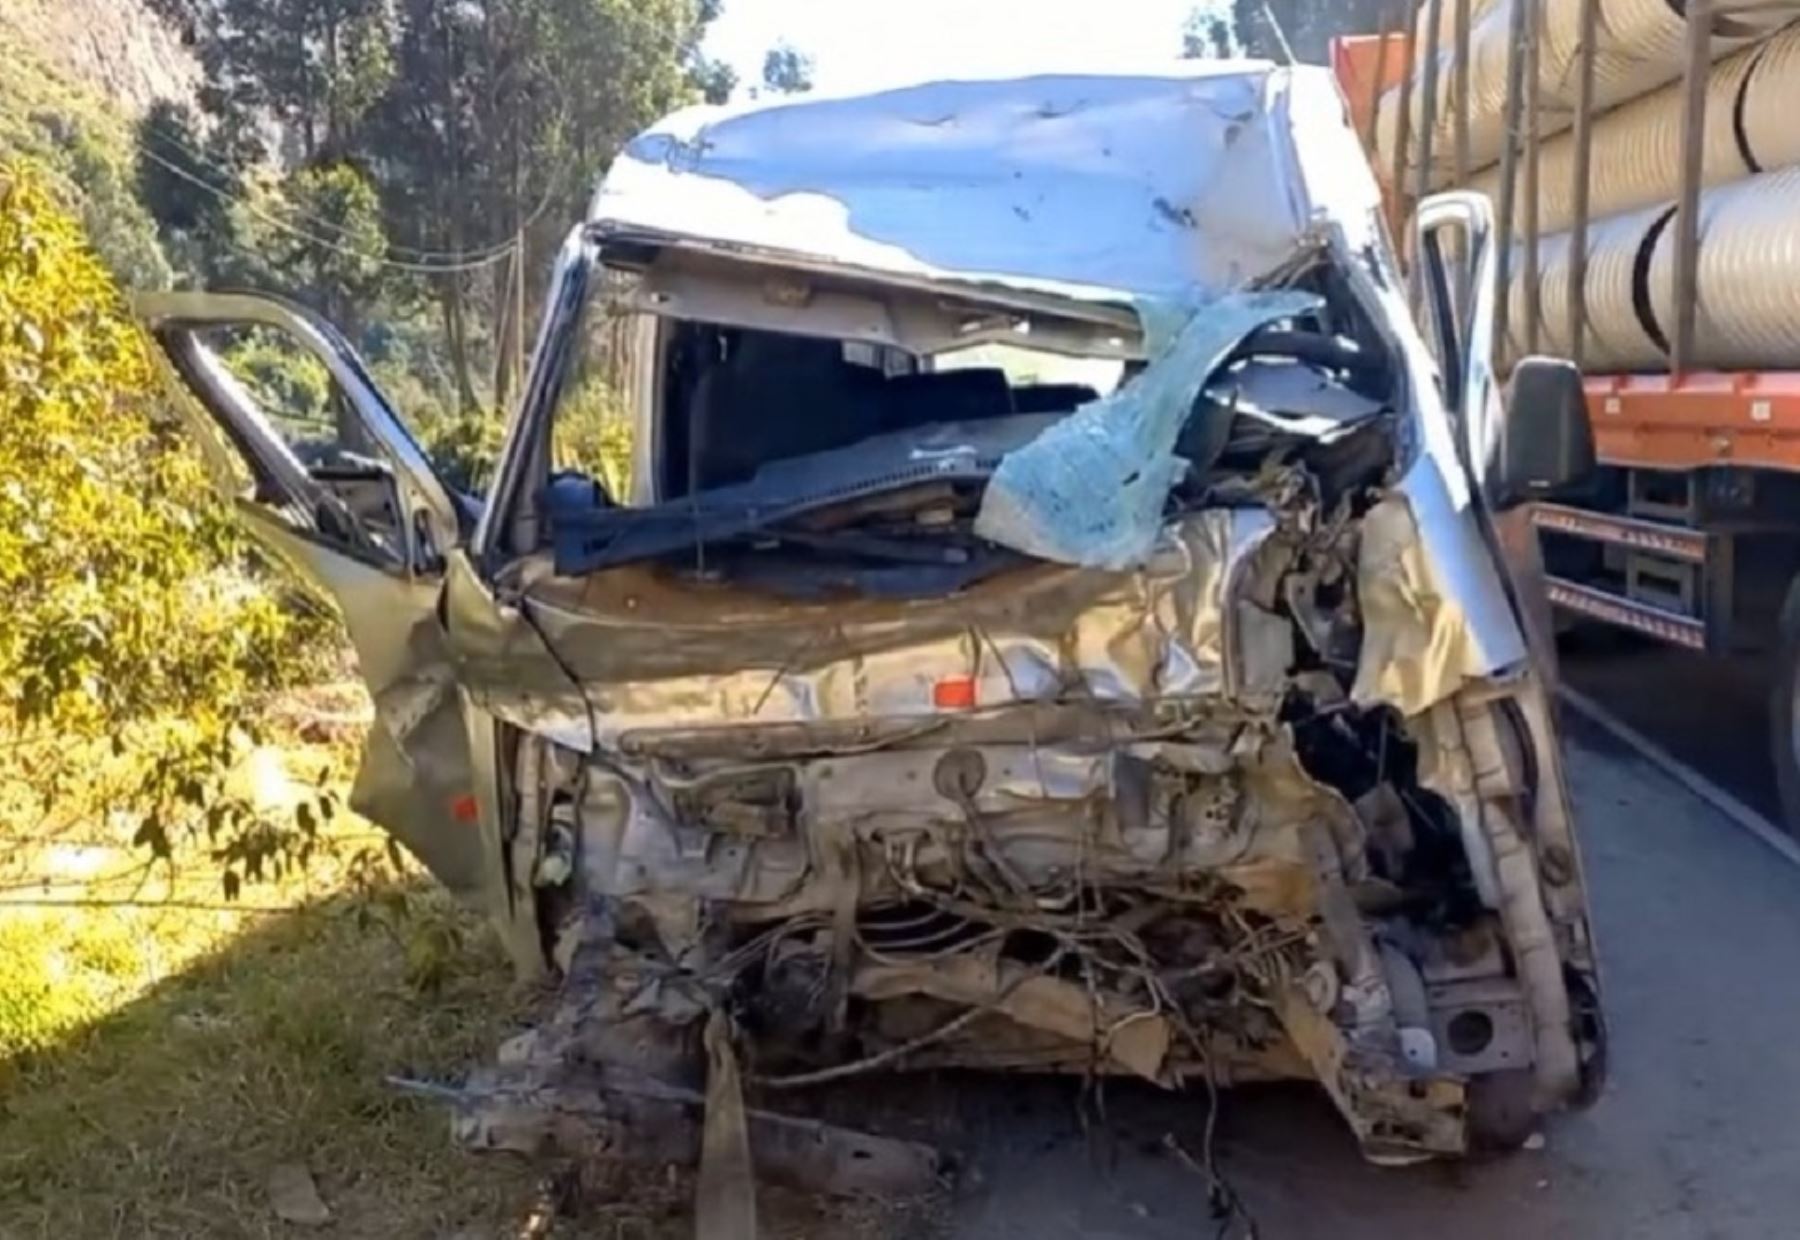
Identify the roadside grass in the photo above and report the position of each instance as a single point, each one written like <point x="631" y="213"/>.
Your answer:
<point x="163" y="1051"/>
<point x="166" y="1115"/>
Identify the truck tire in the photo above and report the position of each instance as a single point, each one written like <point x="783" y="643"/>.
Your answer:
<point x="1784" y="706"/>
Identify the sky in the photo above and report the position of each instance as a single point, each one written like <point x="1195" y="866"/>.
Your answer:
<point x="857" y="44"/>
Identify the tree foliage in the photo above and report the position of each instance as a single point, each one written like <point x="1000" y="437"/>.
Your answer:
<point x="132" y="630"/>
<point x="313" y="67"/>
<point x="786" y="70"/>
<point x="1205" y="36"/>
<point x="336" y="259"/>
<point x="1308" y="26"/>
<point x="420" y="140"/>
<point x="83" y="153"/>
<point x="190" y="176"/>
<point x="407" y="167"/>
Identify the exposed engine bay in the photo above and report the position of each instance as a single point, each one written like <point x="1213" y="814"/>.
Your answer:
<point x="871" y="793"/>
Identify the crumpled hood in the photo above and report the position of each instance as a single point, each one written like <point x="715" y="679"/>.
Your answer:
<point x="655" y="651"/>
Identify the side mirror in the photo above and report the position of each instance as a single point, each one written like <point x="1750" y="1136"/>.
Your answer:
<point x="1546" y="443"/>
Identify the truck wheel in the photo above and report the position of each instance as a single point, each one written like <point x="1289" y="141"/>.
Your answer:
<point x="1784" y="710"/>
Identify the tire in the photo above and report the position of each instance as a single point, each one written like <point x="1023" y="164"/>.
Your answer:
<point x="1501" y="1115"/>
<point x="1784" y="702"/>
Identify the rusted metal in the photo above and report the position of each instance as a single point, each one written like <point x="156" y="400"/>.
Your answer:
<point x="1693" y="155"/>
<point x="1534" y="289"/>
<point x="1670" y="540"/>
<point x="1584" y="159"/>
<point x="1615" y="609"/>
<point x="1377" y="82"/>
<point x="1428" y="116"/>
<point x="1403" y="129"/>
<point x="1509" y="171"/>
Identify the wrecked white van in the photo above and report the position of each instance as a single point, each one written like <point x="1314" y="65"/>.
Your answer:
<point x="1059" y="616"/>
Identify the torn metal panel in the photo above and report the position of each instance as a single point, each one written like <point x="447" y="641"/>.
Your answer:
<point x="1398" y="1118"/>
<point x="1136" y="1040"/>
<point x="1092" y="488"/>
<point x="1424" y="637"/>
<point x="1534" y="877"/>
<point x="416" y="767"/>
<point x="505" y="664"/>
<point x="1111" y="187"/>
<point x="651" y="653"/>
<point x="1294" y="399"/>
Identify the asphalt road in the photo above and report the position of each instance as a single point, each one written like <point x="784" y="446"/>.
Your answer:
<point x="1698" y="1134"/>
<point x="1711" y="714"/>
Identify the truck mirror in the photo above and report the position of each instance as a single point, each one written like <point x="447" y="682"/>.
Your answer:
<point x="1546" y="446"/>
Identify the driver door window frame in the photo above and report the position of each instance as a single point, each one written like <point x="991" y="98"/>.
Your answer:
<point x="430" y="523"/>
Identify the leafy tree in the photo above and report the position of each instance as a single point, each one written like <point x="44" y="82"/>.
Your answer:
<point x="1259" y="26"/>
<point x="133" y="637"/>
<point x="83" y="154"/>
<point x="189" y="184"/>
<point x="713" y="79"/>
<point x="334" y="257"/>
<point x="479" y="125"/>
<point x="314" y="66"/>
<point x="499" y="120"/>
<point x="1205" y="36"/>
<point x="787" y="70"/>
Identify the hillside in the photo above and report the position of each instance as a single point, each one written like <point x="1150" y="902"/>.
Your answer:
<point x="75" y="76"/>
<point x="117" y="50"/>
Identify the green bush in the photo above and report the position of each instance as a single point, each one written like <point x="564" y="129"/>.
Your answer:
<point x="84" y="154"/>
<point x="132" y="628"/>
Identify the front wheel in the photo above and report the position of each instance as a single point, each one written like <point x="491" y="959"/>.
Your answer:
<point x="1784" y="709"/>
<point x="1502" y="1114"/>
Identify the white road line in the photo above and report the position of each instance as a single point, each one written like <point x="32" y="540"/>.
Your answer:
<point x="1685" y="775"/>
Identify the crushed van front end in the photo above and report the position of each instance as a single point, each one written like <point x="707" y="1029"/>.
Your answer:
<point x="914" y="703"/>
<point x="1165" y="823"/>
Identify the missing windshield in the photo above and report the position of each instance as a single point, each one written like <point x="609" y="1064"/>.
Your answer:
<point x="811" y="462"/>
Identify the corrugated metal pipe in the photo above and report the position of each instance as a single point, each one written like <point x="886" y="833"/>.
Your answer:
<point x="1748" y="279"/>
<point x="1752" y="124"/>
<point x="1617" y="338"/>
<point x="1748" y="283"/>
<point x="1640" y="49"/>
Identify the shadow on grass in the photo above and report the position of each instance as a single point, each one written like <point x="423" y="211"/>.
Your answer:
<point x="166" y="1116"/>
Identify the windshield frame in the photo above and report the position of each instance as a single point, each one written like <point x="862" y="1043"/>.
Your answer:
<point x="512" y="522"/>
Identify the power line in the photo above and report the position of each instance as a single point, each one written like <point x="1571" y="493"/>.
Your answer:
<point x="450" y="268"/>
<point x="424" y="261"/>
<point x="418" y="255"/>
<point x="290" y="210"/>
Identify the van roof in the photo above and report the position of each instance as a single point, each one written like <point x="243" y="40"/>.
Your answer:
<point x="1183" y="180"/>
